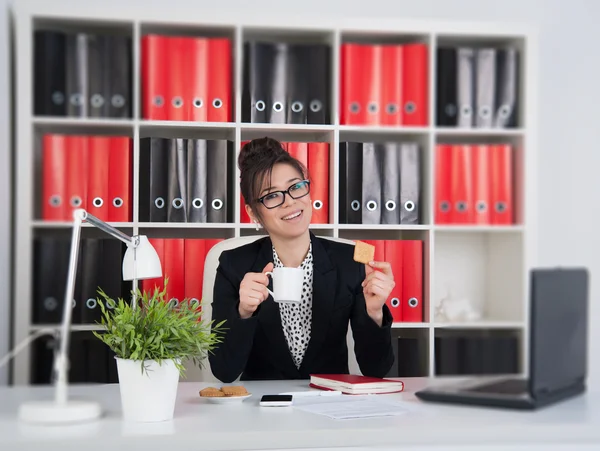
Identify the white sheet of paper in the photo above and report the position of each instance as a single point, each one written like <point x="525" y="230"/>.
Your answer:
<point x="348" y="409"/>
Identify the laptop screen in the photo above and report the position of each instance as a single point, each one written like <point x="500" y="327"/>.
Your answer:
<point x="559" y="328"/>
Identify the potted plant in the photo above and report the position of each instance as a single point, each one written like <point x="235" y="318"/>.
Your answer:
<point x="152" y="339"/>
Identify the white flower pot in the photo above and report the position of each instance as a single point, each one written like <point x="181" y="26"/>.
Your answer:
<point x="147" y="396"/>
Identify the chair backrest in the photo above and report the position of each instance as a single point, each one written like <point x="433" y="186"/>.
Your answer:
<point x="210" y="271"/>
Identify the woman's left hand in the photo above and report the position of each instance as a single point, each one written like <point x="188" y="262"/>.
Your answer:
<point x="377" y="286"/>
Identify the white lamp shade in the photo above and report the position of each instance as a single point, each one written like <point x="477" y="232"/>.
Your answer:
<point x="141" y="262"/>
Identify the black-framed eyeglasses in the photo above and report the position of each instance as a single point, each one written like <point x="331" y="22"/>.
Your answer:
<point x="276" y="198"/>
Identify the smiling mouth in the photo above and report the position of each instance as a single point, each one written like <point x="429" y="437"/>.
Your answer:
<point x="292" y="215"/>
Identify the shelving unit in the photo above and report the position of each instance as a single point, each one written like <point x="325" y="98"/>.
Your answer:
<point x="487" y="263"/>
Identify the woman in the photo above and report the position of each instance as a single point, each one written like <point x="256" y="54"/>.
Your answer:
<point x="269" y="340"/>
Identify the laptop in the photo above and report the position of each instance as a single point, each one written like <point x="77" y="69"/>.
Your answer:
<point x="558" y="349"/>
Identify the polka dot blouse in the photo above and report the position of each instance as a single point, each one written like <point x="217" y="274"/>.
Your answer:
<point x="296" y="318"/>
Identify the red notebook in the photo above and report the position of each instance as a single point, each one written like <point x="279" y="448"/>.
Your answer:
<point x="352" y="384"/>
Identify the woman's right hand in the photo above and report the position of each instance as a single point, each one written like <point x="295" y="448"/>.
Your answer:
<point x="253" y="291"/>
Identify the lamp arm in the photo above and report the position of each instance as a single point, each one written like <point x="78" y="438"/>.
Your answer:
<point x="85" y="216"/>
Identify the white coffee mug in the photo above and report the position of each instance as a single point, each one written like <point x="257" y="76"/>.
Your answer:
<point x="287" y="284"/>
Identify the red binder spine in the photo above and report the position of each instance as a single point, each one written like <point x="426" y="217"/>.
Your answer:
<point x="244" y="217"/>
<point x="391" y="85"/>
<point x="54" y="175"/>
<point x="196" y="98"/>
<point x="219" y="80"/>
<point x="150" y="285"/>
<point x="371" y="84"/>
<point x="502" y="184"/>
<point x="415" y="84"/>
<point x="443" y="184"/>
<point x="318" y="167"/>
<point x="178" y="69"/>
<point x="120" y="187"/>
<point x="412" y="281"/>
<point x="97" y="193"/>
<point x="481" y="183"/>
<point x="174" y="269"/>
<point x="393" y="255"/>
<point x="462" y="185"/>
<point x="154" y="77"/>
<point x="77" y="171"/>
<point x="379" y="249"/>
<point x="299" y="151"/>
<point x="195" y="256"/>
<point x="354" y="63"/>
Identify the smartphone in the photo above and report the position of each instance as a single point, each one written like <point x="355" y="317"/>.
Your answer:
<point x="276" y="400"/>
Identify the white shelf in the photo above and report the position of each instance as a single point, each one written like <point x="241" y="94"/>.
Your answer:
<point x="489" y="264"/>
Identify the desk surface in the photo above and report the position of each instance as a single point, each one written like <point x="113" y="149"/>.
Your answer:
<point x="248" y="426"/>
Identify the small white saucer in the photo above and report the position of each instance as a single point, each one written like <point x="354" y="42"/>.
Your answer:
<point x="225" y="399"/>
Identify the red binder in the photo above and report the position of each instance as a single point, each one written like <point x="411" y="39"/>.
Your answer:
<point x="318" y="167"/>
<point x="443" y="184"/>
<point x="120" y="185"/>
<point x="195" y="255"/>
<point x="415" y="85"/>
<point x="54" y="176"/>
<point x="178" y="75"/>
<point x="196" y="97"/>
<point x="174" y="255"/>
<point x="393" y="255"/>
<point x="99" y="160"/>
<point x="154" y="74"/>
<point x="219" y="80"/>
<point x="462" y="185"/>
<point x="244" y="216"/>
<point x="355" y="83"/>
<point x="481" y="183"/>
<point x="150" y="285"/>
<point x="502" y="184"/>
<point x="77" y="173"/>
<point x="299" y="151"/>
<point x="412" y="281"/>
<point x="391" y="85"/>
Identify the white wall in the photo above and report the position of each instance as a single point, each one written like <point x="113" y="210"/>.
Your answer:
<point x="569" y="158"/>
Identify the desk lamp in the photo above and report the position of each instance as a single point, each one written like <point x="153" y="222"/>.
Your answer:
<point x="140" y="262"/>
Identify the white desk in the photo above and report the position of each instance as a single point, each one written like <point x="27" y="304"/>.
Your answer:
<point x="199" y="425"/>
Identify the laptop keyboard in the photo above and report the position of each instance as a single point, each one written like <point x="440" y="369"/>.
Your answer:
<point x="506" y="387"/>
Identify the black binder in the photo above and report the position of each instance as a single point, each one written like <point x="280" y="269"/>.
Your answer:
<point x="177" y="177"/>
<point x="91" y="268"/>
<point x="98" y="57"/>
<point x="119" y="76"/>
<point x="217" y="153"/>
<point x="197" y="174"/>
<point x="446" y="107"/>
<point x="154" y="164"/>
<point x="297" y="103"/>
<point x="351" y="161"/>
<point x="49" y="282"/>
<point x="258" y="79"/>
<point x="507" y="93"/>
<point x="49" y="73"/>
<point x="319" y="78"/>
<point x="77" y="75"/>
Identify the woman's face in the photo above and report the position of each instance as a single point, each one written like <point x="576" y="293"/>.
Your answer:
<point x="293" y="216"/>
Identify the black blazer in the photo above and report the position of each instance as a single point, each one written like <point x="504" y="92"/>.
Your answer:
<point x="256" y="349"/>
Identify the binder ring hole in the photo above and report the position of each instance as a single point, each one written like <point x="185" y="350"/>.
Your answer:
<point x="277" y="107"/>
<point x="58" y="98"/>
<point x="97" y="202"/>
<point x="355" y="205"/>
<point x="217" y="204"/>
<point x="297" y="107"/>
<point x="118" y="101"/>
<point x="445" y="206"/>
<point x="390" y="205"/>
<point x="77" y="99"/>
<point x="395" y="302"/>
<point x="118" y="202"/>
<point x="73" y="303"/>
<point x="217" y="103"/>
<point x="354" y="107"/>
<point x="76" y="201"/>
<point x="504" y="111"/>
<point x="97" y="100"/>
<point x="466" y="111"/>
<point x="260" y="105"/>
<point x="158" y="101"/>
<point x="461" y="206"/>
<point x="409" y="205"/>
<point x="173" y="303"/>
<point x="177" y="203"/>
<point x="194" y="303"/>
<point x="159" y="202"/>
<point x="500" y="207"/>
<point x="91" y="303"/>
<point x="111" y="304"/>
<point x="413" y="302"/>
<point x="177" y="102"/>
<point x="55" y="200"/>
<point x="197" y="203"/>
<point x="391" y="108"/>
<point x="450" y="110"/>
<point x="481" y="206"/>
<point x="485" y="112"/>
<point x="316" y="106"/>
<point x="317" y="204"/>
<point x="410" y="107"/>
<point x="50" y="303"/>
<point x="371" y="205"/>
<point x="198" y="103"/>
<point x="372" y="108"/>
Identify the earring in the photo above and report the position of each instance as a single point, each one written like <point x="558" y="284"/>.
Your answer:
<point x="256" y="222"/>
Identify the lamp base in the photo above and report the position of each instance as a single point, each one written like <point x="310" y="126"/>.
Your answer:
<point x="51" y="412"/>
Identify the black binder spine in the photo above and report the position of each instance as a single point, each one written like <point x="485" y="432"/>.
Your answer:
<point x="49" y="73"/>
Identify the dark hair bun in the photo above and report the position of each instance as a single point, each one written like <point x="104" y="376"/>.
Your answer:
<point x="258" y="150"/>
